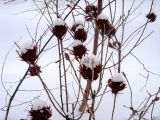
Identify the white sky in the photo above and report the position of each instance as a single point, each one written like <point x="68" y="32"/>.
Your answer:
<point x="12" y="28"/>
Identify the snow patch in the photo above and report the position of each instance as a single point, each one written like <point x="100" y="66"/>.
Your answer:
<point x="79" y="27"/>
<point x="102" y="17"/>
<point x="76" y="43"/>
<point x="39" y="104"/>
<point x="58" y="22"/>
<point x="118" y="77"/>
<point x="90" y="61"/>
<point x="78" y="22"/>
<point x="26" y="46"/>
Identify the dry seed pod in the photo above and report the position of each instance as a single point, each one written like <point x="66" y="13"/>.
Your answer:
<point x="40" y="111"/>
<point x="80" y="33"/>
<point x="151" y="16"/>
<point x="102" y="23"/>
<point x="117" y="83"/>
<point x="79" y="49"/>
<point x="59" y="28"/>
<point x="90" y="67"/>
<point x="105" y="26"/>
<point x="28" y="53"/>
<point x="91" y="10"/>
<point x="34" y="70"/>
<point x="75" y="25"/>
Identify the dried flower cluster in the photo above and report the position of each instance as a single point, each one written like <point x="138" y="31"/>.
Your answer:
<point x="79" y="49"/>
<point x="75" y="25"/>
<point x="34" y="70"/>
<point x="116" y="83"/>
<point x="40" y="110"/>
<point x="41" y="114"/>
<point x="90" y="67"/>
<point x="105" y="26"/>
<point x="151" y="16"/>
<point x="29" y="55"/>
<point x="92" y="12"/>
<point x="80" y="35"/>
<point x="79" y="32"/>
<point x="59" y="28"/>
<point x="87" y="73"/>
<point x="116" y="86"/>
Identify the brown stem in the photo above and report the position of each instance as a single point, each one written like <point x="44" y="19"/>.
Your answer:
<point x="16" y="90"/>
<point x="60" y="74"/>
<point x="95" y="44"/>
<point x="119" y="58"/>
<point x="114" y="105"/>
<point x="85" y="96"/>
<point x="65" y="77"/>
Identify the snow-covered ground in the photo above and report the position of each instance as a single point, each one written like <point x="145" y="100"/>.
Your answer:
<point x="13" y="24"/>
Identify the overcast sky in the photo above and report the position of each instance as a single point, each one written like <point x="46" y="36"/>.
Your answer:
<point x="12" y="28"/>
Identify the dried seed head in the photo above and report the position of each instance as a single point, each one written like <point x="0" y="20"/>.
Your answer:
<point x="80" y="33"/>
<point x="34" y="70"/>
<point x="89" y="74"/>
<point x="59" y="28"/>
<point x="41" y="114"/>
<point x="102" y="22"/>
<point x="151" y="16"/>
<point x="90" y="67"/>
<point x="105" y="26"/>
<point x="75" y="25"/>
<point x="29" y="55"/>
<point x="79" y="51"/>
<point x="91" y="11"/>
<point x="116" y="86"/>
<point x="40" y="111"/>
